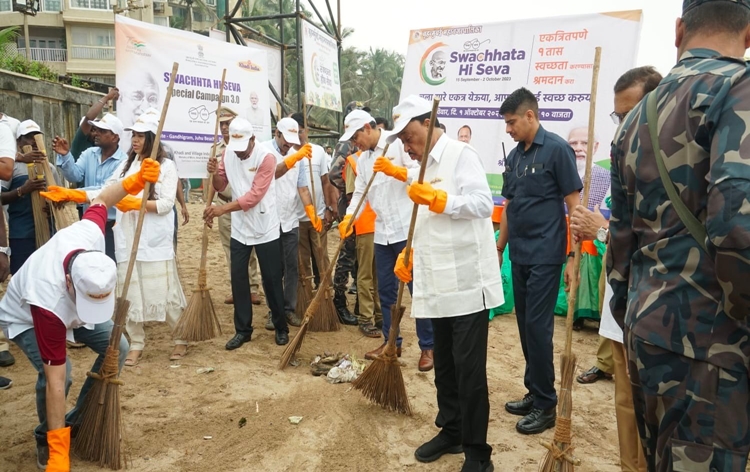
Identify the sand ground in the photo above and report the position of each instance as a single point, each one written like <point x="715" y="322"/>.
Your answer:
<point x="168" y="408"/>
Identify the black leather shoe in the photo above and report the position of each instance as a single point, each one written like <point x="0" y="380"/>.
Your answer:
<point x="435" y="448"/>
<point x="537" y="421"/>
<point x="237" y="341"/>
<point x="477" y="466"/>
<point x="346" y="317"/>
<point x="282" y="338"/>
<point x="6" y="359"/>
<point x="520" y="407"/>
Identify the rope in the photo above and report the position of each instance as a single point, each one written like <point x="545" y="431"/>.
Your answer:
<point x="563" y="435"/>
<point x="563" y="430"/>
<point x="110" y="368"/>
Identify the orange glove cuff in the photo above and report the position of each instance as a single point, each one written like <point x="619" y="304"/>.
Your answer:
<point x="129" y="203"/>
<point x="58" y="441"/>
<point x="439" y="202"/>
<point x="345" y="226"/>
<point x="304" y="152"/>
<point x="133" y="184"/>
<point x="62" y="194"/>
<point x="384" y="165"/>
<point x="404" y="273"/>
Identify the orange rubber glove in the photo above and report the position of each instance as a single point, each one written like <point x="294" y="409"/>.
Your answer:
<point x="304" y="152"/>
<point x="346" y="228"/>
<point x="58" y="441"/>
<point x="426" y="194"/>
<point x="62" y="194"/>
<point x="403" y="273"/>
<point x="129" y="203"/>
<point x="314" y="218"/>
<point x="149" y="172"/>
<point x="384" y="165"/>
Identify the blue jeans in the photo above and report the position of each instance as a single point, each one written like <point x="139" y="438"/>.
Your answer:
<point x="385" y="261"/>
<point x="97" y="339"/>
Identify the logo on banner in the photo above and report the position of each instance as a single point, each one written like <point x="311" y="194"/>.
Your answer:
<point x="136" y="46"/>
<point x="249" y="65"/>
<point x="199" y="114"/>
<point x="432" y="65"/>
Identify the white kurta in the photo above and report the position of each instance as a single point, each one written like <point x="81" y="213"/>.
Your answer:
<point x="456" y="271"/>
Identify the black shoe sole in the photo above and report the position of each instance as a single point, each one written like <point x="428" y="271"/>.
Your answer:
<point x="517" y="412"/>
<point x="232" y="348"/>
<point x="548" y="425"/>
<point x="459" y="449"/>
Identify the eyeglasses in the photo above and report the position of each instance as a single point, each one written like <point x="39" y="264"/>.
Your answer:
<point x="617" y="117"/>
<point x="354" y="136"/>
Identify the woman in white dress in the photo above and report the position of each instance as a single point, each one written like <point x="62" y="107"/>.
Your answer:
<point x="155" y="292"/>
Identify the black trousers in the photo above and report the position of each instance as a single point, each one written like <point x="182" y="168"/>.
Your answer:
<point x="271" y="271"/>
<point x="535" y="289"/>
<point x="460" y="356"/>
<point x="109" y="240"/>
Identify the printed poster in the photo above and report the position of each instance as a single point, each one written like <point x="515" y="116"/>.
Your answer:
<point x="320" y="53"/>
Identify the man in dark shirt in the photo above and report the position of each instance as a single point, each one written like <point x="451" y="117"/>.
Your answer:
<point x="540" y="175"/>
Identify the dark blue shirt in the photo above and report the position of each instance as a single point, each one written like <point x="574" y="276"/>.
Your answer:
<point x="536" y="182"/>
<point x="20" y="214"/>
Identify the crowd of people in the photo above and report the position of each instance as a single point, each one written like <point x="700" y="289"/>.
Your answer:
<point x="673" y="329"/>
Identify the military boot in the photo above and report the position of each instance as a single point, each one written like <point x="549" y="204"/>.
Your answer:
<point x="345" y="316"/>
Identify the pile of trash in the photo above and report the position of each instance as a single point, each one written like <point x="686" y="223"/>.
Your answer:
<point x="337" y="368"/>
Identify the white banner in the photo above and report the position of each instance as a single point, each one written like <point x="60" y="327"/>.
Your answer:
<point x="472" y="69"/>
<point x="320" y="53"/>
<point x="144" y="54"/>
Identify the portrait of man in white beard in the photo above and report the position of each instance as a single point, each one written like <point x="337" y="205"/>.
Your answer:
<point x="578" y="138"/>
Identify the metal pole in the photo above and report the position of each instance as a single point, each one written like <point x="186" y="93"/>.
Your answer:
<point x="26" y="35"/>
<point x="256" y="32"/>
<point x="265" y="17"/>
<point x="299" y="57"/>
<point x="336" y="26"/>
<point x="282" y="92"/>
<point x="226" y="20"/>
<point x="338" y="13"/>
<point x="320" y="17"/>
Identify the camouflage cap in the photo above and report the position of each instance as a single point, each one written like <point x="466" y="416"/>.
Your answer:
<point x="688" y="5"/>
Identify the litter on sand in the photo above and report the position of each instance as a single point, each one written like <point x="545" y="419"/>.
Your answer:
<point x="338" y="368"/>
<point x="204" y="370"/>
<point x="295" y="419"/>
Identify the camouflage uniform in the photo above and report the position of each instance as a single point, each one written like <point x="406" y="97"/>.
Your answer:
<point x="347" y="260"/>
<point x="685" y="310"/>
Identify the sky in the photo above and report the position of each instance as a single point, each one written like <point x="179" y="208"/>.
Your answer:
<point x="386" y="23"/>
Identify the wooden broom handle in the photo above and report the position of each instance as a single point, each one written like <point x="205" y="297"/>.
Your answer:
<point x="147" y="188"/>
<point x="211" y="192"/>
<point x="422" y="170"/>
<point x="573" y="290"/>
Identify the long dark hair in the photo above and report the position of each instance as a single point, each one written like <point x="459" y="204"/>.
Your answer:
<point x="148" y="144"/>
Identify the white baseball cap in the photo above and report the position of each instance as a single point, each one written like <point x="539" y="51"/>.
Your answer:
<point x="289" y="129"/>
<point x="240" y="133"/>
<point x="27" y="127"/>
<point x="94" y="277"/>
<point x="109" y="122"/>
<point x="410" y="108"/>
<point x="147" y="122"/>
<point x="355" y="121"/>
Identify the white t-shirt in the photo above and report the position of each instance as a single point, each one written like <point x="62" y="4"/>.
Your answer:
<point x="41" y="281"/>
<point x="320" y="168"/>
<point x="8" y="148"/>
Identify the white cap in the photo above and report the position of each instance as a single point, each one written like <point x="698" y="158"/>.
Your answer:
<point x="289" y="129"/>
<point x="240" y="132"/>
<point x="147" y="122"/>
<point x="410" y="108"/>
<point x="94" y="277"/>
<point x="109" y="122"/>
<point x="27" y="127"/>
<point x="355" y="121"/>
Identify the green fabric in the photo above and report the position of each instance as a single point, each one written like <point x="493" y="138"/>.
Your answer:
<point x="561" y="307"/>
<point x="587" y="302"/>
<point x="507" y="275"/>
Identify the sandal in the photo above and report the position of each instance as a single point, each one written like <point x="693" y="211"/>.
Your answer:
<point x="369" y="330"/>
<point x="178" y="354"/>
<point x="133" y="357"/>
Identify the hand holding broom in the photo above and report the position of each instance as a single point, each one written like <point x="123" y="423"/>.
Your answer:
<point x="99" y="436"/>
<point x="382" y="381"/>
<point x="199" y="321"/>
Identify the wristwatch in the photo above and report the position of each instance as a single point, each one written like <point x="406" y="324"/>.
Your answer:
<point x="602" y="234"/>
<point x="5" y="250"/>
<point x="329" y="208"/>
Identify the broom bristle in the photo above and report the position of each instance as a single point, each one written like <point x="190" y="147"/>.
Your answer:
<point x="326" y="319"/>
<point x="382" y="381"/>
<point x="199" y="321"/>
<point x="560" y="450"/>
<point x="304" y="294"/>
<point x="295" y="344"/>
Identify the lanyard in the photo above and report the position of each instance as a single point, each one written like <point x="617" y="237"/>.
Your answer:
<point x="533" y="159"/>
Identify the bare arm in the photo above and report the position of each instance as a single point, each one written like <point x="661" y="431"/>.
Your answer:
<point x="96" y="109"/>
<point x="304" y="195"/>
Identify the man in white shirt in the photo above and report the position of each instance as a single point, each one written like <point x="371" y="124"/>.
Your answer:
<point x="392" y="207"/>
<point x="456" y="280"/>
<point x="66" y="290"/>
<point x="8" y="150"/>
<point x="292" y="202"/>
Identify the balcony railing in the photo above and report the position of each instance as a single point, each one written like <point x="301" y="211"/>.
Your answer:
<point x="100" y="53"/>
<point x="45" y="54"/>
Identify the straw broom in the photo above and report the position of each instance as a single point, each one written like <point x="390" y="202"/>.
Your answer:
<point x="294" y="346"/>
<point x="328" y="318"/>
<point x="559" y="457"/>
<point x="41" y="218"/>
<point x="304" y="287"/>
<point x="382" y="381"/>
<point x="64" y="214"/>
<point x="99" y="435"/>
<point x="199" y="321"/>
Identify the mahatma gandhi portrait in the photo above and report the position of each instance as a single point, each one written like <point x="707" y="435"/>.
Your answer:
<point x="437" y="64"/>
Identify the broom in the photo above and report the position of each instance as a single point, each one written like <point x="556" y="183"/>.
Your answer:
<point x="294" y="346"/>
<point x="304" y="288"/>
<point x="41" y="221"/>
<point x="99" y="434"/>
<point x="328" y="318"/>
<point x="64" y="214"/>
<point x="559" y="457"/>
<point x="199" y="321"/>
<point x="382" y="381"/>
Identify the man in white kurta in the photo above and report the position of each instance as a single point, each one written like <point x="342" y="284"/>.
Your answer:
<point x="456" y="280"/>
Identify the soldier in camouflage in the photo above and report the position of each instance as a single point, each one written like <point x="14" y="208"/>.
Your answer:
<point x="685" y="308"/>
